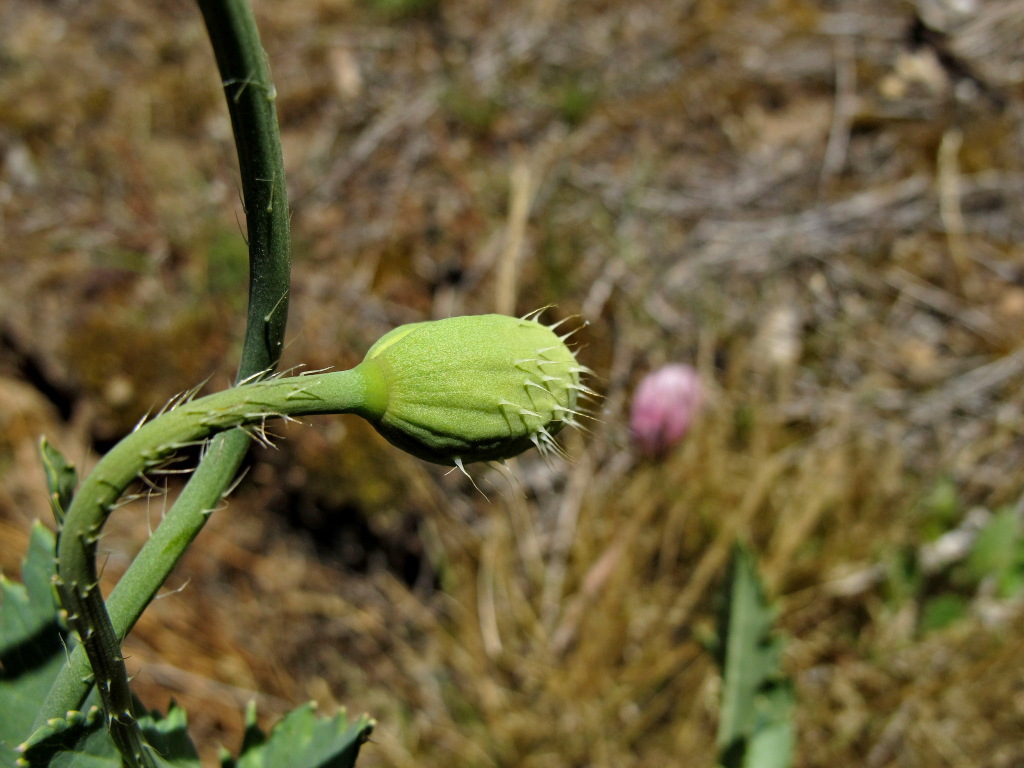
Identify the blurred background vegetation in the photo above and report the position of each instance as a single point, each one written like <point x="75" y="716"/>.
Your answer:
<point x="818" y="204"/>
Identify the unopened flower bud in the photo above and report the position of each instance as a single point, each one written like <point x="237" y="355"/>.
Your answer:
<point x="664" y="405"/>
<point x="476" y="388"/>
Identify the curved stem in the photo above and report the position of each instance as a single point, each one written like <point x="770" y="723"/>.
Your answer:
<point x="192" y="422"/>
<point x="146" y="449"/>
<point x="250" y="98"/>
<point x="154" y="563"/>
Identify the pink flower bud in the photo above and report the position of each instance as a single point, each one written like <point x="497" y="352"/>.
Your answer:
<point x="664" y="405"/>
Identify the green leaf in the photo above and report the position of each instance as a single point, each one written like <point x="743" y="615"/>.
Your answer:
<point x="941" y="508"/>
<point x="943" y="610"/>
<point x="755" y="728"/>
<point x="71" y="732"/>
<point x="168" y="736"/>
<point x="302" y="739"/>
<point x="33" y="647"/>
<point x="83" y="741"/>
<point x="61" y="479"/>
<point x="33" y="642"/>
<point x="997" y="552"/>
<point x="771" y="743"/>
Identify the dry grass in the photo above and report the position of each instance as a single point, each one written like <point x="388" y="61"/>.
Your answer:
<point x="817" y="204"/>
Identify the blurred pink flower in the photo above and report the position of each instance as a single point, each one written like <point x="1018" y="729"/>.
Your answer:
<point x="664" y="405"/>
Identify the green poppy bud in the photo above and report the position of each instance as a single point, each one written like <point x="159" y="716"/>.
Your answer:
<point x="477" y="388"/>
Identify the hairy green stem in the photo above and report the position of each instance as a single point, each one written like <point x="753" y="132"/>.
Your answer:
<point x="251" y="95"/>
<point x="146" y="450"/>
<point x="250" y="99"/>
<point x="154" y="563"/>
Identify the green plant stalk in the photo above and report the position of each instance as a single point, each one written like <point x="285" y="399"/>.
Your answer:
<point x="251" y="95"/>
<point x="145" y="450"/>
<point x="250" y="98"/>
<point x="154" y="563"/>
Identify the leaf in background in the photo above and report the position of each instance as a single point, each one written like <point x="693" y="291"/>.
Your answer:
<point x="61" y="734"/>
<point x="771" y="745"/>
<point x="61" y="479"/>
<point x="301" y="738"/>
<point x="755" y="727"/>
<point x="33" y="646"/>
<point x="168" y="736"/>
<point x="33" y="642"/>
<point x="997" y="552"/>
<point x="83" y="741"/>
<point x="943" y="610"/>
<point x="941" y="508"/>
